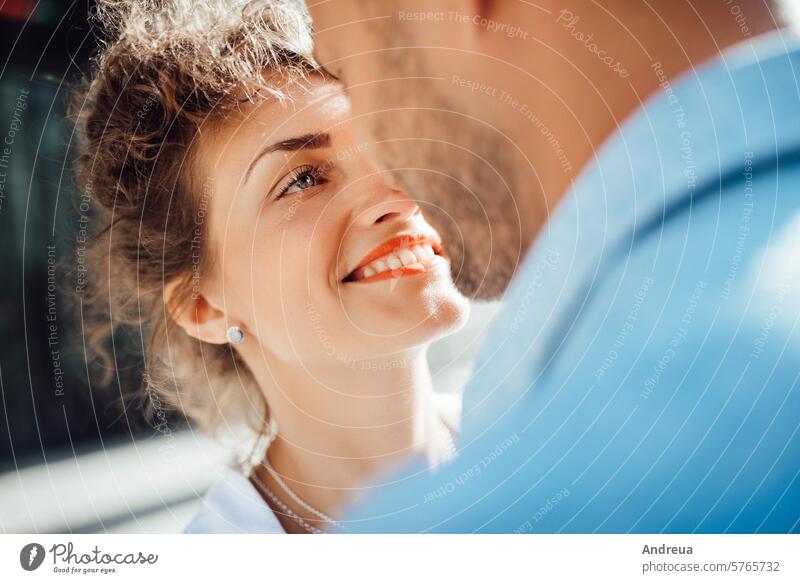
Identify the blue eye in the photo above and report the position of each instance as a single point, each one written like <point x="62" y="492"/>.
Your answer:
<point x="302" y="179"/>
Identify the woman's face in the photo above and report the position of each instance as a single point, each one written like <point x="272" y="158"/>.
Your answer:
<point x="317" y="257"/>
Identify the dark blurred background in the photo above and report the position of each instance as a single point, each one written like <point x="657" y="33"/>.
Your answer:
<point x="47" y="398"/>
<point x="74" y="457"/>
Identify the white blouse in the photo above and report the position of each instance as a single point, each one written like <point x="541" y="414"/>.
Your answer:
<point x="234" y="506"/>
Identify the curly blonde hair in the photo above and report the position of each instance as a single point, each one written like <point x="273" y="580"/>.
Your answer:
<point x="166" y="70"/>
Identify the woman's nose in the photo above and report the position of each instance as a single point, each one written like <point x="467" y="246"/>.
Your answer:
<point x="393" y="206"/>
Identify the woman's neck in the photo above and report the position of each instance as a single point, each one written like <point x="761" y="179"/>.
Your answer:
<point x="339" y="427"/>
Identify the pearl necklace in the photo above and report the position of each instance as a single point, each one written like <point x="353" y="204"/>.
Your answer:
<point x="296" y="497"/>
<point x="302" y="522"/>
<point x="451" y="443"/>
<point x="284" y="508"/>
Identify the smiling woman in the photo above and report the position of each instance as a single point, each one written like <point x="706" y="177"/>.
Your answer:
<point x="280" y="281"/>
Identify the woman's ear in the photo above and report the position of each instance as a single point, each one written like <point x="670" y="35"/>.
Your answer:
<point x="198" y="318"/>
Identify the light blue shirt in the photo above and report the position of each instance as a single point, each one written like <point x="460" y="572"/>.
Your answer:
<point x="644" y="373"/>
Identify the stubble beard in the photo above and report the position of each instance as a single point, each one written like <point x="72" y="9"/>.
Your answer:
<point x="464" y="185"/>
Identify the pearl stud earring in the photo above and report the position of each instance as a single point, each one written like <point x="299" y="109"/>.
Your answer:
<point x="235" y="335"/>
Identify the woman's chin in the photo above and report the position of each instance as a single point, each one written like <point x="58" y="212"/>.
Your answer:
<point x="451" y="314"/>
<point x="409" y="319"/>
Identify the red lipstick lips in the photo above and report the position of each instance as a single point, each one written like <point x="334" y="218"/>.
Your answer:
<point x="401" y="255"/>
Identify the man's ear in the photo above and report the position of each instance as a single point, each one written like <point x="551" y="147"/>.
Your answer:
<point x="481" y="8"/>
<point x="198" y="318"/>
<point x="479" y="12"/>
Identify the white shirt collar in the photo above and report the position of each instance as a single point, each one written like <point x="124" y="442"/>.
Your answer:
<point x="234" y="506"/>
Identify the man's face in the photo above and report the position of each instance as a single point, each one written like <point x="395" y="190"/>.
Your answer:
<point x="432" y="136"/>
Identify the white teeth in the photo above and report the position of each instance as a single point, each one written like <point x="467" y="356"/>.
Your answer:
<point x="393" y="262"/>
<point x="397" y="259"/>
<point x="407" y="257"/>
<point x="424" y="252"/>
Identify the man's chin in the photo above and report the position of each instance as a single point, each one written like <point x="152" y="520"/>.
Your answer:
<point x="480" y="271"/>
<point x="478" y="281"/>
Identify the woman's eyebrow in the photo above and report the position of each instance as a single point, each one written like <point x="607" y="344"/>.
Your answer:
<point x="304" y="142"/>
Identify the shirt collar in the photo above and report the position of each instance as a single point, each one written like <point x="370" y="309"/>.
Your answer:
<point x="233" y="505"/>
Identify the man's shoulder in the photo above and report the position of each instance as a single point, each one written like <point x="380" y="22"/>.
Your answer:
<point x="706" y="281"/>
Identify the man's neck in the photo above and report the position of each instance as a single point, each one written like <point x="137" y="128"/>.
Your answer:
<point x="582" y="99"/>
